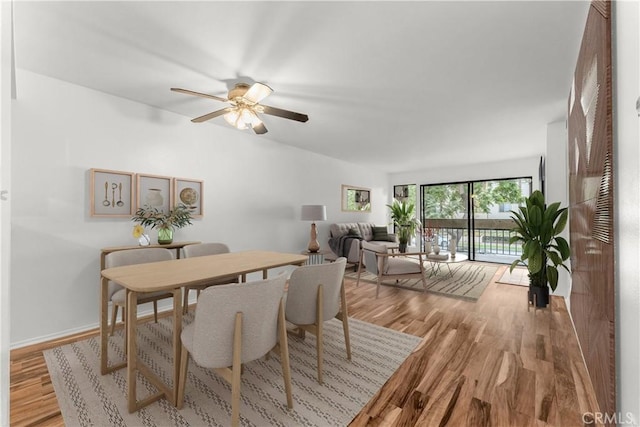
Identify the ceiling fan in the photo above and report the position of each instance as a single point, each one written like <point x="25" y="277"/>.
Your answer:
<point x="245" y="107"/>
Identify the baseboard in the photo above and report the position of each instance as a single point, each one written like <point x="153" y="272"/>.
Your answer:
<point x="40" y="343"/>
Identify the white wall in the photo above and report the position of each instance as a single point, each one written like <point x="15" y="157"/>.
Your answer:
<point x="557" y="190"/>
<point x="626" y="127"/>
<point x="254" y="188"/>
<point x="5" y="213"/>
<point x="432" y="174"/>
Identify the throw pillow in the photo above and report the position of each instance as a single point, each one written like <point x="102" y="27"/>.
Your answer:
<point x="354" y="232"/>
<point x="380" y="233"/>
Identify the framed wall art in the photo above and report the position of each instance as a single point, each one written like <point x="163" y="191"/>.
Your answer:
<point x="111" y="193"/>
<point x="356" y="199"/>
<point x="189" y="192"/>
<point x="154" y="191"/>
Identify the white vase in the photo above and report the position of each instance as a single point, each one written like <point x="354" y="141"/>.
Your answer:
<point x="436" y="249"/>
<point x="144" y="240"/>
<point x="452" y="248"/>
<point x="427" y="247"/>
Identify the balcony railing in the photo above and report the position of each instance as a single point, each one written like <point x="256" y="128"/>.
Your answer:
<point x="491" y="237"/>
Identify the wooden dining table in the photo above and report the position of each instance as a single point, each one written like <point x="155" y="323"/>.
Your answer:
<point x="171" y="276"/>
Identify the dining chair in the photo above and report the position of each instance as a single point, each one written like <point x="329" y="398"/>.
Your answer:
<point x="387" y="265"/>
<point x="118" y="294"/>
<point x="315" y="295"/>
<point x="235" y="324"/>
<point x="204" y="249"/>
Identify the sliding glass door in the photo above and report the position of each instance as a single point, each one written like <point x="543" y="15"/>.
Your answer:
<point x="445" y="215"/>
<point x="475" y="214"/>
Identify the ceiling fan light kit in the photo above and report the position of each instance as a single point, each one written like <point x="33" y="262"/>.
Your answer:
<point x="245" y="106"/>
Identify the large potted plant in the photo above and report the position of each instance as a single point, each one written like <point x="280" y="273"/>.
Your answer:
<point x="165" y="222"/>
<point x="538" y="229"/>
<point x="403" y="217"/>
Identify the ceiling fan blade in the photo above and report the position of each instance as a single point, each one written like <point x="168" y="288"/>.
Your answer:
<point x="203" y="95"/>
<point x="259" y="129"/>
<point x="257" y="92"/>
<point x="211" y="115"/>
<point x="273" y="111"/>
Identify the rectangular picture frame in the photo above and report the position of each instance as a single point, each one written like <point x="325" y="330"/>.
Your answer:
<point x="111" y="193"/>
<point x="154" y="191"/>
<point x="190" y="192"/>
<point x="356" y="199"/>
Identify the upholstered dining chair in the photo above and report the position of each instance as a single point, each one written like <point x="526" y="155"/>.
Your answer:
<point x="118" y="294"/>
<point x="203" y="249"/>
<point x="235" y="324"/>
<point x="387" y="265"/>
<point x="315" y="295"/>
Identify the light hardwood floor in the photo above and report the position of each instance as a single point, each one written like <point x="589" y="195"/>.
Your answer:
<point x="485" y="363"/>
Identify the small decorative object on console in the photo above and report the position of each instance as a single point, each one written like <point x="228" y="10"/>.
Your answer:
<point x="178" y="217"/>
<point x="138" y="233"/>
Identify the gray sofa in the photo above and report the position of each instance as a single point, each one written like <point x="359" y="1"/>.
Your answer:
<point x="344" y="242"/>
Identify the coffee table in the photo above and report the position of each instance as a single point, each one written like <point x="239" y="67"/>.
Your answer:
<point x="436" y="263"/>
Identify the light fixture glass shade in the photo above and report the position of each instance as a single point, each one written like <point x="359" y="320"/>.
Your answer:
<point x="257" y="92"/>
<point x="242" y="117"/>
<point x="313" y="213"/>
<point x="231" y="117"/>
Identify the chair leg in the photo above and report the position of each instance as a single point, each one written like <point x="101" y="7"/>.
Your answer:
<point x="155" y="311"/>
<point x="114" y="317"/>
<point x="347" y="341"/>
<point x="345" y="320"/>
<point x="359" y="268"/>
<point x="184" y="367"/>
<point x="236" y="371"/>
<point x="185" y="301"/>
<point x="284" y="354"/>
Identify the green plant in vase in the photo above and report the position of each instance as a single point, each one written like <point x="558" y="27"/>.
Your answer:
<point x="403" y="217"/>
<point x="537" y="228"/>
<point x="165" y="222"/>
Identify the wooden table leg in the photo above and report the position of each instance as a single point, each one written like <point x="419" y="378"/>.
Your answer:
<point x="104" y="334"/>
<point x="177" y="344"/>
<point x="132" y="349"/>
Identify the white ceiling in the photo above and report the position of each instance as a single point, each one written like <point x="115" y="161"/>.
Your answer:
<point x="395" y="85"/>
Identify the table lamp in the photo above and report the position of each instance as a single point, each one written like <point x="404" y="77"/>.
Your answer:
<point x="313" y="213"/>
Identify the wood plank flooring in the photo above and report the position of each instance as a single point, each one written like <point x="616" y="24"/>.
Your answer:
<point x="485" y="363"/>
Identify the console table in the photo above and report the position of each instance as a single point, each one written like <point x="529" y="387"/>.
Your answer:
<point x="175" y="245"/>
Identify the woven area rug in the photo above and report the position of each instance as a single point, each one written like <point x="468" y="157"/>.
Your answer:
<point x="468" y="282"/>
<point x="519" y="276"/>
<point x="87" y="398"/>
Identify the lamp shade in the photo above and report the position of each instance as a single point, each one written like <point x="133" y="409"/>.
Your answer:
<point x="313" y="213"/>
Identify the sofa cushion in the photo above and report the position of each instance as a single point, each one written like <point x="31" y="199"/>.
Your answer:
<point x="380" y="233"/>
<point x="342" y="228"/>
<point x="354" y="232"/>
<point x="366" y="230"/>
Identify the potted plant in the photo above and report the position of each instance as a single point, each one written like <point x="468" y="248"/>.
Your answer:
<point x="178" y="217"/>
<point x="538" y="228"/>
<point x="403" y="217"/>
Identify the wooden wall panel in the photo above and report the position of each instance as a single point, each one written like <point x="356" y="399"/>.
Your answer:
<point x="591" y="204"/>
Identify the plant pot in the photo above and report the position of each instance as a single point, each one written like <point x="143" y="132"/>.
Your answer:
<point x="402" y="247"/>
<point x="165" y="236"/>
<point x="539" y="296"/>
